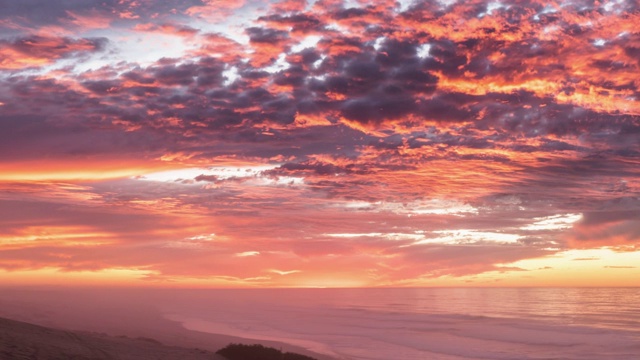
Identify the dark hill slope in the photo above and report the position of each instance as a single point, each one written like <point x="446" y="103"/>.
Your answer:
<point x="23" y="341"/>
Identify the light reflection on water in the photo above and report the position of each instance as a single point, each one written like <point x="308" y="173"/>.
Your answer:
<point x="617" y="308"/>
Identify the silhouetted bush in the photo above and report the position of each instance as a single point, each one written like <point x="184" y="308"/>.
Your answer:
<point x="258" y="352"/>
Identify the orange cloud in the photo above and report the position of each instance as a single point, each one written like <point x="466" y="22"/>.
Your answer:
<point x="168" y="29"/>
<point x="215" y="10"/>
<point x="36" y="51"/>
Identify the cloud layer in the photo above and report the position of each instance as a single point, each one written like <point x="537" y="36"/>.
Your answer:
<point x="302" y="143"/>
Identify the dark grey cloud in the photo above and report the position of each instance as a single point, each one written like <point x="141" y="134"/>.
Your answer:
<point x="261" y="35"/>
<point x="300" y="22"/>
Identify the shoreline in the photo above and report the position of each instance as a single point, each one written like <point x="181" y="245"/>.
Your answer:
<point x="172" y="333"/>
<point x="124" y="316"/>
<point x="222" y="331"/>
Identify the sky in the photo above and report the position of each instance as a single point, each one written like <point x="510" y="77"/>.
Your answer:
<point x="329" y="143"/>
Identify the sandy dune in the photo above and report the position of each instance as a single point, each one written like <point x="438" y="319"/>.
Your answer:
<point x="19" y="340"/>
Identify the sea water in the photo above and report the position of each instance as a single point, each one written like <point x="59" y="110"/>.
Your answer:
<point x="426" y="323"/>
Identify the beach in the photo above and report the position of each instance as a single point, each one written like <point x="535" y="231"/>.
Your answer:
<point x="118" y="313"/>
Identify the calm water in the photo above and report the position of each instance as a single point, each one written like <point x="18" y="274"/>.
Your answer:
<point x="385" y="324"/>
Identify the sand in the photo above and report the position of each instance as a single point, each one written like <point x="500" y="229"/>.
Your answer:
<point x="19" y="340"/>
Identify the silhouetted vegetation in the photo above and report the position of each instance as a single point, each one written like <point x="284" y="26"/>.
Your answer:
<point x="258" y="352"/>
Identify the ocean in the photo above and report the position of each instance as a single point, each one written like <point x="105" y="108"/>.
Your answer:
<point x="425" y="323"/>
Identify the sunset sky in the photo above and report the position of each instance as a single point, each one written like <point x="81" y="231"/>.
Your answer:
<point x="211" y="143"/>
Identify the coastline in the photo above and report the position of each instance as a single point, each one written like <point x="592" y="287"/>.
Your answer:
<point x="127" y="315"/>
<point x="201" y="330"/>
